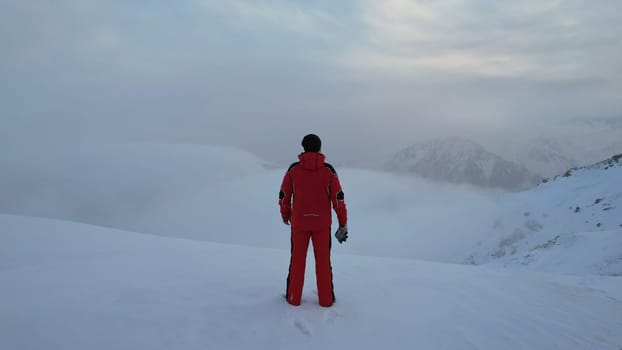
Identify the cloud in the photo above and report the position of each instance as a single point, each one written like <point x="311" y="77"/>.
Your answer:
<point x="546" y="39"/>
<point x="291" y="18"/>
<point x="281" y="16"/>
<point x="367" y="74"/>
<point x="462" y="62"/>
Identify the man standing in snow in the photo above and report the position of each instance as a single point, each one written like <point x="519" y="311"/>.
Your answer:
<point x="314" y="186"/>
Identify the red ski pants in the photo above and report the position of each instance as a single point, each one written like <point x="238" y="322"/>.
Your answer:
<point x="323" y="271"/>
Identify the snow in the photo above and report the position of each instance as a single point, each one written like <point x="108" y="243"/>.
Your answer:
<point x="206" y="263"/>
<point x="570" y="225"/>
<point x="73" y="286"/>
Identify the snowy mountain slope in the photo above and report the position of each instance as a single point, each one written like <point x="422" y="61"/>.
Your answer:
<point x="73" y="286"/>
<point x="459" y="160"/>
<point x="572" y="224"/>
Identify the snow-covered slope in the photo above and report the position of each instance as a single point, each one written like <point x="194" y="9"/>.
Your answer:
<point x="459" y="160"/>
<point x="571" y="224"/>
<point x="74" y="286"/>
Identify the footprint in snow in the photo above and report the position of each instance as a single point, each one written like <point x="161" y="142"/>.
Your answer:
<point x="330" y="316"/>
<point x="303" y="327"/>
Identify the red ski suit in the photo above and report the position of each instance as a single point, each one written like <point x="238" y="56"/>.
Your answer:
<point x="309" y="188"/>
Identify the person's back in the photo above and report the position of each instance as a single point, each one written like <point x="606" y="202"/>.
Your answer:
<point x="314" y="187"/>
<point x="311" y="178"/>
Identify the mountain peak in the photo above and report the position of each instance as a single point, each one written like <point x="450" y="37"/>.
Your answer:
<point x="460" y="160"/>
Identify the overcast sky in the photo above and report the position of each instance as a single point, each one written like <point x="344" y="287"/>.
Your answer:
<point x="367" y="76"/>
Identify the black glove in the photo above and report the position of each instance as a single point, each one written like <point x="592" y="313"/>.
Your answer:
<point x="342" y="233"/>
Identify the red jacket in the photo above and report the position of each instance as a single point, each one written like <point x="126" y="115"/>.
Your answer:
<point x="314" y="186"/>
